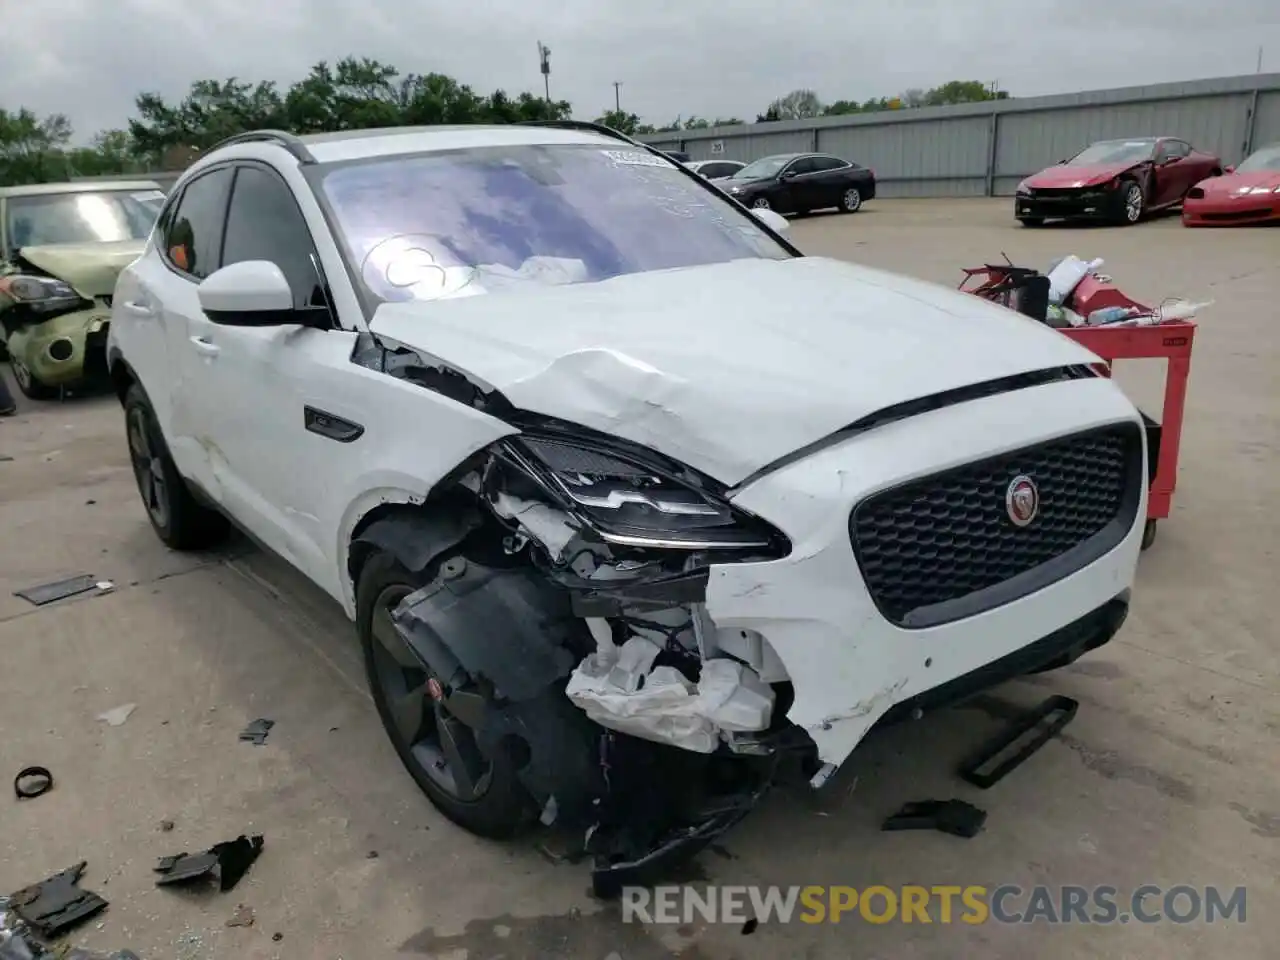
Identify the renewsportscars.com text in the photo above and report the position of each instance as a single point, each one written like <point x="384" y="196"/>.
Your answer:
<point x="1006" y="904"/>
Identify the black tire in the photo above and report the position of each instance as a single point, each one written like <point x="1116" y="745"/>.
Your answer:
<point x="31" y="387"/>
<point x="1031" y="221"/>
<point x="1149" y="534"/>
<point x="851" y="200"/>
<point x="1126" y="215"/>
<point x="182" y="522"/>
<point x="499" y="807"/>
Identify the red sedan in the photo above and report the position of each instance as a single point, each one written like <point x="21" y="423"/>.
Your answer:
<point x="1116" y="181"/>
<point x="1248" y="194"/>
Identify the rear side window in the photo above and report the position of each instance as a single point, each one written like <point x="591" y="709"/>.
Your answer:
<point x="193" y="233"/>
<point x="828" y="163"/>
<point x="264" y="223"/>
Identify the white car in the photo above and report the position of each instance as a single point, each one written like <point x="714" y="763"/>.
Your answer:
<point x="628" y="499"/>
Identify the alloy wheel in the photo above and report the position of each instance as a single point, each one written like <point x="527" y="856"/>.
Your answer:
<point x="1133" y="203"/>
<point x="761" y="203"/>
<point x="852" y="199"/>
<point x="442" y="745"/>
<point x="148" y="468"/>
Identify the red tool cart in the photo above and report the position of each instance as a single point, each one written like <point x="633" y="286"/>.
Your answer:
<point x="1171" y="341"/>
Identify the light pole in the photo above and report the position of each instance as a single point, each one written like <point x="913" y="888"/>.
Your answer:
<point x="544" y="64"/>
<point x="617" y="96"/>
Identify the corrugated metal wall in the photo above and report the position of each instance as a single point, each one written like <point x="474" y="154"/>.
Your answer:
<point x="986" y="148"/>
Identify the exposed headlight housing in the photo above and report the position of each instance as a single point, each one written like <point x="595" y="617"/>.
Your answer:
<point x="1023" y="188"/>
<point x="631" y="502"/>
<point x="39" y="294"/>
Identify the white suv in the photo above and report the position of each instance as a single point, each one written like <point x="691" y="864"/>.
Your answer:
<point x="627" y="498"/>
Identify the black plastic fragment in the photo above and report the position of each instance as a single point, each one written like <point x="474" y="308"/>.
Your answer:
<point x="32" y="782"/>
<point x="57" y="590"/>
<point x="256" y="732"/>
<point x="955" y="817"/>
<point x="53" y="906"/>
<point x="231" y="860"/>
<point x="1045" y="721"/>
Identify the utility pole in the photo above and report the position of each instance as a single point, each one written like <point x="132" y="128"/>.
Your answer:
<point x="617" y="96"/>
<point x="544" y="64"/>
<point x="1259" y="69"/>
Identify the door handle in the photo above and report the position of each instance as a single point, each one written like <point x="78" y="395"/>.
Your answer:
<point x="205" y="347"/>
<point x="138" y="308"/>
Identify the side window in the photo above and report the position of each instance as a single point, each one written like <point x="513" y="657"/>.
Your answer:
<point x="803" y="165"/>
<point x="193" y="230"/>
<point x="1180" y="148"/>
<point x="828" y="163"/>
<point x="264" y="223"/>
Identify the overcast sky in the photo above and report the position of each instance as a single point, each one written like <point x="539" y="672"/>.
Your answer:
<point x="89" y="58"/>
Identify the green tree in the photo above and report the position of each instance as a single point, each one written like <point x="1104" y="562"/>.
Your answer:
<point x="32" y="148"/>
<point x="623" y="122"/>
<point x="796" y="105"/>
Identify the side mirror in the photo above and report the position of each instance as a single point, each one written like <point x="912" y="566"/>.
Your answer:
<point x="252" y="293"/>
<point x="771" y="219"/>
<point x="1229" y="168"/>
<point x="787" y="175"/>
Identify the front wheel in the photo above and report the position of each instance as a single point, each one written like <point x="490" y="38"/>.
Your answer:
<point x="851" y="200"/>
<point x="479" y="792"/>
<point x="1132" y="202"/>
<point x="30" y="385"/>
<point x="761" y="203"/>
<point x="1031" y="221"/>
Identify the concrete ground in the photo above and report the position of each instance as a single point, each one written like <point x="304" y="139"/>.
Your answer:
<point x="1169" y="775"/>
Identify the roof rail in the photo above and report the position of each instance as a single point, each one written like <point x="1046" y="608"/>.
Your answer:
<point x="289" y="141"/>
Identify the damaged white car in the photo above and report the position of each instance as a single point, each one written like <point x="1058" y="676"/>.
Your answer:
<point x="636" y="509"/>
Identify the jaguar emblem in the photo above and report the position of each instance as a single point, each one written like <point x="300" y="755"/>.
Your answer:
<point x="1022" y="500"/>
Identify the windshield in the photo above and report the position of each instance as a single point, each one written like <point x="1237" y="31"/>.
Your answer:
<point x="762" y="168"/>
<point x="1268" y="158"/>
<point x="1110" y="152"/>
<point x="467" y="222"/>
<point x="97" y="217"/>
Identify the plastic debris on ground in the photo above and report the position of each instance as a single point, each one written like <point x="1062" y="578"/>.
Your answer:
<point x="58" y="589"/>
<point x="116" y="716"/>
<point x="229" y="861"/>
<point x="256" y="732"/>
<point x="52" y="906"/>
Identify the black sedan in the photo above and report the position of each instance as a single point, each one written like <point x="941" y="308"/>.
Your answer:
<point x="800" y="182"/>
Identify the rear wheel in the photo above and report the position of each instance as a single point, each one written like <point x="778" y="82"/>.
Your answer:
<point x="441" y="752"/>
<point x="851" y="200"/>
<point x="177" y="517"/>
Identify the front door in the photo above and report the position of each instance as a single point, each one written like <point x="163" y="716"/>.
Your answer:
<point x="258" y="406"/>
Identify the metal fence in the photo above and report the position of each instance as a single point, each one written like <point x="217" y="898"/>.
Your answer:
<point x="985" y="149"/>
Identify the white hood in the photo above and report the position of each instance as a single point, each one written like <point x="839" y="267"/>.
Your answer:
<point x="727" y="367"/>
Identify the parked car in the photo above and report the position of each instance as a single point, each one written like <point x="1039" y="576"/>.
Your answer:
<point x="1114" y="180"/>
<point x="800" y="182"/>
<point x="61" y="248"/>
<point x="629" y="500"/>
<point x="1249" y="193"/>
<point x="679" y="156"/>
<point x="715" y="169"/>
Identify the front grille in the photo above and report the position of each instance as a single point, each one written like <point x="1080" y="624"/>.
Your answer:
<point x="944" y="547"/>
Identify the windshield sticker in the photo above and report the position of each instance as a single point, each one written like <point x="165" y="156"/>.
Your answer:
<point x="635" y="158"/>
<point x="145" y="196"/>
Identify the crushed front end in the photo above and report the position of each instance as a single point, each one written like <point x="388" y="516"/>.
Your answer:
<point x="663" y="648"/>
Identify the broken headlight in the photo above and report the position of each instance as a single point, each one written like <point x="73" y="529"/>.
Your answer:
<point x="39" y="295"/>
<point x="634" y="503"/>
